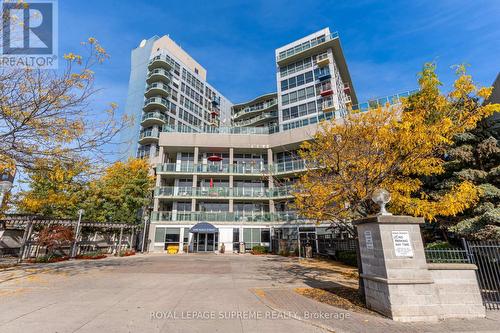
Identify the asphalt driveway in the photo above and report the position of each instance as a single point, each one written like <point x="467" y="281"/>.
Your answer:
<point x="155" y="293"/>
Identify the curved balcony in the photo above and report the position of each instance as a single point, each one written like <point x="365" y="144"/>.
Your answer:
<point x="149" y="136"/>
<point x="259" y="120"/>
<point x="236" y="169"/>
<point x="198" y="216"/>
<point x="157" y="89"/>
<point x="159" y="74"/>
<point x="250" y="111"/>
<point x="156" y="103"/>
<point x="159" y="61"/>
<point x="153" y="118"/>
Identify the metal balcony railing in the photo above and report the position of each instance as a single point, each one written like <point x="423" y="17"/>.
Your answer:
<point x="259" y="107"/>
<point x="306" y="46"/>
<point x="239" y="216"/>
<point x="224" y="192"/>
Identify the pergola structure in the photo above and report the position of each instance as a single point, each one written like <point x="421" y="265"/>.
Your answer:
<point x="28" y="222"/>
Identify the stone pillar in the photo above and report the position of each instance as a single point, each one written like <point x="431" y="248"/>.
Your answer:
<point x="396" y="276"/>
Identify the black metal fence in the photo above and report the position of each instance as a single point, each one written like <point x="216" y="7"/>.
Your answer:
<point x="486" y="256"/>
<point x="446" y="256"/>
<point x="329" y="245"/>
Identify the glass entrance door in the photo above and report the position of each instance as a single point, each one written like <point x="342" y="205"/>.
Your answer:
<point x="210" y="242"/>
<point x="202" y="242"/>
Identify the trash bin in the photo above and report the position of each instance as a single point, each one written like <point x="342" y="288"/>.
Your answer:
<point x="242" y="247"/>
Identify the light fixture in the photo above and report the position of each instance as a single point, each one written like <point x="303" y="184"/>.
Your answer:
<point x="381" y="197"/>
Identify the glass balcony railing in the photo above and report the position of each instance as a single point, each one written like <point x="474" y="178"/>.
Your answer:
<point x="225" y="216"/>
<point x="161" y="59"/>
<point x="159" y="72"/>
<point x="224" y="192"/>
<point x="240" y="169"/>
<point x="156" y="101"/>
<point x="220" y="130"/>
<point x="149" y="134"/>
<point x="306" y="46"/>
<point x="256" y="108"/>
<point x="253" y="120"/>
<point x="158" y="86"/>
<point x="153" y="116"/>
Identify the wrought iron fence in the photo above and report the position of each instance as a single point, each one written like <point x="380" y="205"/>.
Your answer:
<point x="486" y="256"/>
<point x="454" y="255"/>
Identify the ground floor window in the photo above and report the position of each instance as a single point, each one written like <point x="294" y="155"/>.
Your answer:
<point x="256" y="236"/>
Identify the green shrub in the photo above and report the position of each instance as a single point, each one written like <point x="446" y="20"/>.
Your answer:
<point x="347" y="257"/>
<point x="259" y="249"/>
<point x="438" y="245"/>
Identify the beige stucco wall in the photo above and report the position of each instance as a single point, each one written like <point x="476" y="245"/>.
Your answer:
<point x="168" y="44"/>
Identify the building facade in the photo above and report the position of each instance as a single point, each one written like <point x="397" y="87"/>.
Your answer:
<point x="224" y="173"/>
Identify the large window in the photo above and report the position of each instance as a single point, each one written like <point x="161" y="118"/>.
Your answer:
<point x="298" y="95"/>
<point x="297" y="81"/>
<point x="256" y="236"/>
<point x="299" y="111"/>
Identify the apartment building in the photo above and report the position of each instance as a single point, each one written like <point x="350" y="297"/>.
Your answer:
<point x="224" y="173"/>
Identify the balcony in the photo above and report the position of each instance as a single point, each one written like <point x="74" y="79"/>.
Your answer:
<point x="235" y="169"/>
<point x="347" y="89"/>
<point x="259" y="120"/>
<point x="159" y="61"/>
<point x="159" y="74"/>
<point x="156" y="103"/>
<point x="189" y="168"/>
<point x="224" y="193"/>
<point x="153" y="118"/>
<point x="307" y="48"/>
<point x="322" y="60"/>
<point x="157" y="89"/>
<point x="323" y="75"/>
<point x="325" y="89"/>
<point x="149" y="136"/>
<point x="215" y="101"/>
<point x="328" y="106"/>
<point x="197" y="216"/>
<point x="255" y="109"/>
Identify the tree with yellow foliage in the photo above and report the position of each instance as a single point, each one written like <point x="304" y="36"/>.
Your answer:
<point x="59" y="190"/>
<point x="392" y="147"/>
<point x="56" y="188"/>
<point x="120" y="193"/>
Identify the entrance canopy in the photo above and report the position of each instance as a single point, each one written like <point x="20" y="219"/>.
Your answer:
<point x="204" y="227"/>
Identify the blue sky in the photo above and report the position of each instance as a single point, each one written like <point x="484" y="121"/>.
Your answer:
<point x="385" y="42"/>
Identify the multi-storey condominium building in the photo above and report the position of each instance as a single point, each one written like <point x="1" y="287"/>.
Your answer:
<point x="224" y="172"/>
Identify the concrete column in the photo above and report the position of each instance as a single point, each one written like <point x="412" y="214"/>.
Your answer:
<point x="161" y="155"/>
<point x="195" y="155"/>
<point x="270" y="177"/>
<point x="396" y="277"/>
<point x="231" y="178"/>
<point x="156" y="200"/>
<point x="181" y="240"/>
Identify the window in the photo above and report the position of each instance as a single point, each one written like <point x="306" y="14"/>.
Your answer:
<point x="265" y="235"/>
<point x="292" y="82"/>
<point x="186" y="235"/>
<point x="293" y="97"/>
<point x="300" y="80"/>
<point x="284" y="85"/>
<point x="172" y="235"/>
<point x="160" y="235"/>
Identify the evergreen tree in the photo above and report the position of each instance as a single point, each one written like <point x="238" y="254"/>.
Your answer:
<point x="475" y="157"/>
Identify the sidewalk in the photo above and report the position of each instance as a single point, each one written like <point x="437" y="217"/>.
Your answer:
<point x="287" y="301"/>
